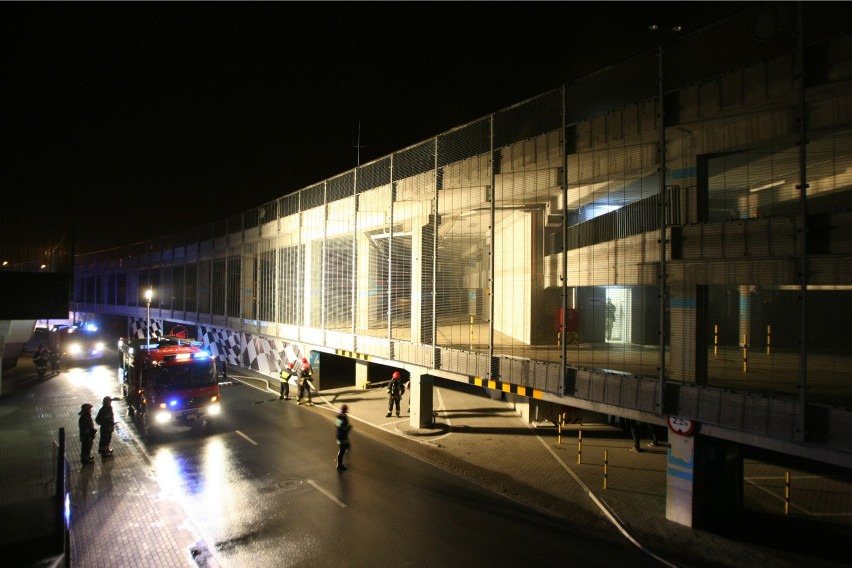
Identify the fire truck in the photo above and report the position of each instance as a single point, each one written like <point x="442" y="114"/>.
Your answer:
<point x="167" y="379"/>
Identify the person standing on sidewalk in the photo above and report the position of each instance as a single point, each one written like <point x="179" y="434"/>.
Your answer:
<point x="652" y="433"/>
<point x="87" y="433"/>
<point x="343" y="427"/>
<point x="284" y="377"/>
<point x="634" y="433"/>
<point x="305" y="373"/>
<point x="395" y="391"/>
<point x="610" y="317"/>
<point x="106" y="420"/>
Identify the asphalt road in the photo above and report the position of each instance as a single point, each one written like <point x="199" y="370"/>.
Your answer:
<point x="261" y="488"/>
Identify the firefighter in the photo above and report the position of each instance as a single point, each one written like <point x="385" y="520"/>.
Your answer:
<point x="343" y="427"/>
<point x="40" y="360"/>
<point x="395" y="391"/>
<point x="106" y="420"/>
<point x="87" y="433"/>
<point x="54" y="355"/>
<point x="284" y="377"/>
<point x="305" y="373"/>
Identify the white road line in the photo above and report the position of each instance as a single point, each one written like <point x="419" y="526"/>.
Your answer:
<point x="609" y="514"/>
<point x="250" y="441"/>
<point x="326" y="493"/>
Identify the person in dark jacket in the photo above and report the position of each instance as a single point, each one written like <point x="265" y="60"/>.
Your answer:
<point x="395" y="391"/>
<point x="106" y="420"/>
<point x="343" y="427"/>
<point x="87" y="433"/>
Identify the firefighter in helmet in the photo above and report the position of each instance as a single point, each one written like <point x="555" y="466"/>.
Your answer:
<point x="395" y="391"/>
<point x="305" y="374"/>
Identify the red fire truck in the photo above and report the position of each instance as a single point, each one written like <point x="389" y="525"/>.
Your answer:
<point x="167" y="379"/>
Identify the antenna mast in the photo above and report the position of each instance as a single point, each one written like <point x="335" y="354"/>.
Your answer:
<point x="358" y="144"/>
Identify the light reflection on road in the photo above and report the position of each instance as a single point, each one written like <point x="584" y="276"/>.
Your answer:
<point x="99" y="379"/>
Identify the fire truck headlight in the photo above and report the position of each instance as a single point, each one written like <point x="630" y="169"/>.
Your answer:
<point x="163" y="416"/>
<point x="99" y="346"/>
<point x="74" y="349"/>
<point x="214" y="408"/>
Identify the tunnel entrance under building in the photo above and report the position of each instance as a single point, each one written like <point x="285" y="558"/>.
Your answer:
<point x="336" y="371"/>
<point x="378" y="373"/>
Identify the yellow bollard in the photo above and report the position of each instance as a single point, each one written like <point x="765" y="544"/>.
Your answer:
<point x="579" y="446"/>
<point x="787" y="493"/>
<point x="745" y="355"/>
<point x="606" y="461"/>
<point x="768" y="338"/>
<point x="559" y="436"/>
<point x="715" y="339"/>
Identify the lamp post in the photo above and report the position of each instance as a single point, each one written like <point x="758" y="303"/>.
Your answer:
<point x="148" y="294"/>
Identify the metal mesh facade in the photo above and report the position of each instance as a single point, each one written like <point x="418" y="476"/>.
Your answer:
<point x="525" y="247"/>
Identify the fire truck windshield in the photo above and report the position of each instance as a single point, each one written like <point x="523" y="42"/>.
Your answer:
<point x="201" y="374"/>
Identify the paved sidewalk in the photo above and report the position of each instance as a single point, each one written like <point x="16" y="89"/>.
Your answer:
<point x="122" y="517"/>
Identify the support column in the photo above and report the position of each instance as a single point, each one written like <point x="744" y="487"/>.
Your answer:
<point x="680" y="478"/>
<point x="361" y="374"/>
<point x="523" y="406"/>
<point x="704" y="482"/>
<point x="745" y="316"/>
<point x="420" y="395"/>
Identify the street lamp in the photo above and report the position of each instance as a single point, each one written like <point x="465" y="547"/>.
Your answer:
<point x="148" y="294"/>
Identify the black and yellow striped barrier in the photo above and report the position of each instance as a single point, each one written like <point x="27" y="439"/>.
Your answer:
<point x="506" y="387"/>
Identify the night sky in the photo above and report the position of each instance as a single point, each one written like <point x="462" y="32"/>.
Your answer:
<point x="135" y="120"/>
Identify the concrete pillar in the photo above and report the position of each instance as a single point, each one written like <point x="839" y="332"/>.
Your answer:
<point x="745" y="315"/>
<point x="718" y="491"/>
<point x="522" y="406"/>
<point x="361" y="374"/>
<point x="420" y="393"/>
<point x="680" y="478"/>
<point x="704" y="482"/>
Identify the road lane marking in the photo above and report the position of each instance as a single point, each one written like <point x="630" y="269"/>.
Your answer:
<point x="603" y="507"/>
<point x="246" y="437"/>
<point x="326" y="493"/>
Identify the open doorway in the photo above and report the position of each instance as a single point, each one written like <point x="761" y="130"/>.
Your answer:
<point x="619" y="314"/>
